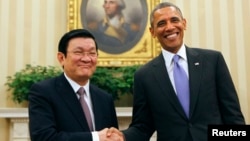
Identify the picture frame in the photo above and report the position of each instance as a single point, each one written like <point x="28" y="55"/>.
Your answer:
<point x="138" y="50"/>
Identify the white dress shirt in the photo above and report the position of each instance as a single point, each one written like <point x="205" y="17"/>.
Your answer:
<point x="87" y="98"/>
<point x="168" y="57"/>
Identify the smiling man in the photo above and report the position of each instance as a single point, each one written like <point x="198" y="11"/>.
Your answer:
<point x="183" y="90"/>
<point x="68" y="107"/>
<point x="168" y="25"/>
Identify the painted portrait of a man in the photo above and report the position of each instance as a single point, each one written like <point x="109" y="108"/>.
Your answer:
<point x="117" y="24"/>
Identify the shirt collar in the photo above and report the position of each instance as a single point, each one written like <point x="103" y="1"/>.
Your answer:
<point x="76" y="86"/>
<point x="169" y="55"/>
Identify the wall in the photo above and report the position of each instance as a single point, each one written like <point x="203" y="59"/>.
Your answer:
<point x="30" y="30"/>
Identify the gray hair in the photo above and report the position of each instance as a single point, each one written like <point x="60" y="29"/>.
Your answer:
<point x="121" y="3"/>
<point x="160" y="6"/>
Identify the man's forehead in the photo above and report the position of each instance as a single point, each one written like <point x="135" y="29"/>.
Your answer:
<point x="111" y="0"/>
<point x="167" y="10"/>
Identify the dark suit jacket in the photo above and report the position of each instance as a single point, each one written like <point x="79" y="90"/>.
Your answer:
<point x="213" y="99"/>
<point x="55" y="113"/>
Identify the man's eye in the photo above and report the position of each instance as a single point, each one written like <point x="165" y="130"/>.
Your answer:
<point x="161" y="24"/>
<point x="78" y="52"/>
<point x="175" y="20"/>
<point x="93" y="54"/>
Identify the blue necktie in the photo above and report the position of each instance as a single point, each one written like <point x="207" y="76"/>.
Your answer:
<point x="181" y="85"/>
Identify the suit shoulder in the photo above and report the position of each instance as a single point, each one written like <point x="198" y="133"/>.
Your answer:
<point x="207" y="54"/>
<point x="206" y="51"/>
<point x="148" y="67"/>
<point x="45" y="82"/>
<point x="49" y="82"/>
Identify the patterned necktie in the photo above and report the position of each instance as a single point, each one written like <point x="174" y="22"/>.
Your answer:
<point x="181" y="85"/>
<point x="85" y="107"/>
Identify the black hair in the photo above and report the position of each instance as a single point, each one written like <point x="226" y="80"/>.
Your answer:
<point x="163" y="5"/>
<point x="64" y="41"/>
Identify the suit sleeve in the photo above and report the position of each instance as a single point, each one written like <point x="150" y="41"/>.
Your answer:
<point x="227" y="95"/>
<point x="141" y="127"/>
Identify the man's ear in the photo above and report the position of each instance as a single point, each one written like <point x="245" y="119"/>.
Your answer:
<point x="184" y="23"/>
<point x="152" y="31"/>
<point x="60" y="58"/>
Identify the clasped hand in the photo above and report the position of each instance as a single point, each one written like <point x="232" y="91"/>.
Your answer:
<point x="110" y="134"/>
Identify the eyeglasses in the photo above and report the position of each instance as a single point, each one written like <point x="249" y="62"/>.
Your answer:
<point x="91" y="54"/>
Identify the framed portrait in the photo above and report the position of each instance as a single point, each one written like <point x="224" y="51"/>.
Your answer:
<point x="121" y="29"/>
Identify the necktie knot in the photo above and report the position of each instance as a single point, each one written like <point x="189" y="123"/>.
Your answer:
<point x="176" y="58"/>
<point x="81" y="91"/>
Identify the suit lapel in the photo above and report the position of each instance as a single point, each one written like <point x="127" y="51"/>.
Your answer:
<point x="195" y="71"/>
<point x="95" y="105"/>
<point x="195" y="65"/>
<point x="165" y="84"/>
<point x="69" y="97"/>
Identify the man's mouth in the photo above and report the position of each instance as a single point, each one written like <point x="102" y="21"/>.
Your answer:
<point x="172" y="36"/>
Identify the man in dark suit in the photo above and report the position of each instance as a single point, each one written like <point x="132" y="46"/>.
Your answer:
<point x="55" y="113"/>
<point x="212" y="96"/>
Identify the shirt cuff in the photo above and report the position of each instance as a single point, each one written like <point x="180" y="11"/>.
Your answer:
<point x="95" y="136"/>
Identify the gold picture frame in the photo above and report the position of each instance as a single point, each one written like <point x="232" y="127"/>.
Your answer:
<point x="137" y="52"/>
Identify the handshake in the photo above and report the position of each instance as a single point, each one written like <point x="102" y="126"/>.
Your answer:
<point x="110" y="134"/>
